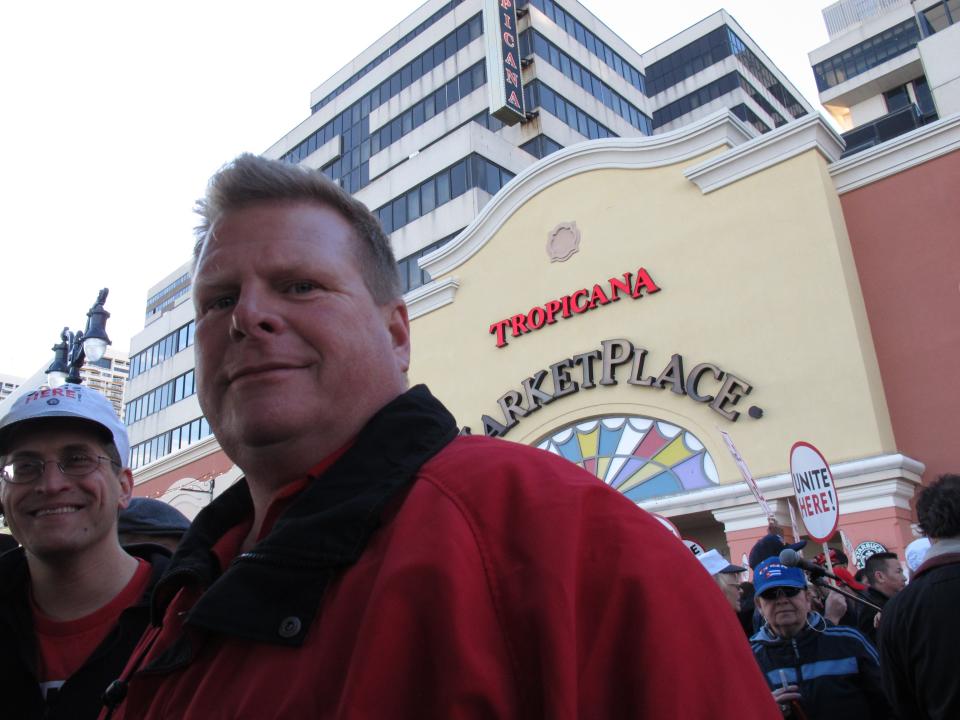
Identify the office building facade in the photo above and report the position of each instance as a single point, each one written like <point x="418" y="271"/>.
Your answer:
<point x="890" y="67"/>
<point x="409" y="126"/>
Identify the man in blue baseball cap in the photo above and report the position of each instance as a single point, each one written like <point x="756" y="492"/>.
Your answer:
<point x="73" y="603"/>
<point x="814" y="668"/>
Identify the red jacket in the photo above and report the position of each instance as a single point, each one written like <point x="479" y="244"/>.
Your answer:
<point x="505" y="583"/>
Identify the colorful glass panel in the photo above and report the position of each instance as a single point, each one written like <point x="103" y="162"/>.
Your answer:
<point x="641" y="457"/>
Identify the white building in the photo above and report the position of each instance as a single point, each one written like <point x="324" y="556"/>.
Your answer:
<point x="419" y="127"/>
<point x="108" y="375"/>
<point x="9" y="383"/>
<point x="890" y="66"/>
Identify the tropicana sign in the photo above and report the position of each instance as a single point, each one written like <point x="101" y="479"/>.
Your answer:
<point x="576" y="303"/>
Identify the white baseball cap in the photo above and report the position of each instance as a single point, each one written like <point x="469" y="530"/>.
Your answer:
<point x="916" y="552"/>
<point x="716" y="563"/>
<point x="71" y="401"/>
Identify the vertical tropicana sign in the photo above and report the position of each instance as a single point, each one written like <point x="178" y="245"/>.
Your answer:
<point x="503" y="61"/>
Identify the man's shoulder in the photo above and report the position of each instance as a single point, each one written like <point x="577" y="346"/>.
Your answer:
<point x="472" y="463"/>
<point x="936" y="585"/>
<point x="494" y="483"/>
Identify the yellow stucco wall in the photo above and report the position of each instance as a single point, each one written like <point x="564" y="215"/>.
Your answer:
<point x="756" y="277"/>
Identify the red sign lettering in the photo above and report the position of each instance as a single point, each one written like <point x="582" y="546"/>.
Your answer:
<point x="633" y="285"/>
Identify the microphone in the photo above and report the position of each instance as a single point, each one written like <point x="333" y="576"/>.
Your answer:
<point x="791" y="558"/>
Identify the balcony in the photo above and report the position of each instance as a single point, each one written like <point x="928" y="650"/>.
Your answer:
<point x="885" y="128"/>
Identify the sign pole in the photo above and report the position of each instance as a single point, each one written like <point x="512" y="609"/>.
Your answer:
<point x="826" y="554"/>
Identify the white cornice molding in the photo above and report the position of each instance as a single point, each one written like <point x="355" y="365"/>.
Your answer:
<point x="431" y="296"/>
<point x="808" y="133"/>
<point x="719" y="130"/>
<point x="868" y="483"/>
<point x="196" y="451"/>
<point x="906" y="151"/>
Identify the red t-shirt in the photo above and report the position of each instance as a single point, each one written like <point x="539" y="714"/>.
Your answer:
<point x="64" y="645"/>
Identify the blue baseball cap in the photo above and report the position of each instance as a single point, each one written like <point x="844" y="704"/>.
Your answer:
<point x="772" y="573"/>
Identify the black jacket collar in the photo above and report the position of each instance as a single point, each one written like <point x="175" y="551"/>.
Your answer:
<point x="271" y="593"/>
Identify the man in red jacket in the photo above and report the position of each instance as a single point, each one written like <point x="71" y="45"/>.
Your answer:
<point x="372" y="563"/>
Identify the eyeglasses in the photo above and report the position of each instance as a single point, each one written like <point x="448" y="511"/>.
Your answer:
<point x="778" y="592"/>
<point x="22" y="472"/>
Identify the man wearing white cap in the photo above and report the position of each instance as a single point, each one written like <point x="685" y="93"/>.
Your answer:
<point x="73" y="603"/>
<point x="725" y="575"/>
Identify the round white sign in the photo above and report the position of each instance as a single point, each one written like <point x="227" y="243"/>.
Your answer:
<point x="865" y="550"/>
<point x="694" y="546"/>
<point x="668" y="525"/>
<point x="815" y="492"/>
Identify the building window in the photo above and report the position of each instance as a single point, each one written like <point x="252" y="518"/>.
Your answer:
<point x="168" y="442"/>
<point x="688" y="60"/>
<point x="166" y="347"/>
<point x="472" y="171"/>
<point x="541" y="146"/>
<point x="940" y="16"/>
<point x="426" y="24"/>
<point x="864" y="56"/>
<point x="587" y="81"/>
<point x="412" y="275"/>
<point x="897" y="98"/>
<point x="576" y="30"/>
<point x="537" y="94"/>
<point x="642" y="457"/>
<point x="351" y="170"/>
<point x="749" y="116"/>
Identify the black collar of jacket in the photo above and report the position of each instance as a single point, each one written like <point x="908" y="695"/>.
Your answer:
<point x="271" y="593"/>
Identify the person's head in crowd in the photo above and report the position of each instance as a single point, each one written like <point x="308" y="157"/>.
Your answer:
<point x="146" y="520"/>
<point x="860" y="575"/>
<point x="726" y="575"/>
<point x="838" y="558"/>
<point x="839" y="561"/>
<point x="343" y="324"/>
<point x="781" y="596"/>
<point x="770" y="546"/>
<point x="916" y="552"/>
<point x="885" y="574"/>
<point x="64" y="471"/>
<point x="938" y="509"/>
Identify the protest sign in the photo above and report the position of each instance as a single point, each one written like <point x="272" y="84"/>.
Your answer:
<point x="815" y="491"/>
<point x="668" y="525"/>
<point x="747" y="477"/>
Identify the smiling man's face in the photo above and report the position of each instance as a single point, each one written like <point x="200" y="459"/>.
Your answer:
<point x="57" y="514"/>
<point x="290" y="343"/>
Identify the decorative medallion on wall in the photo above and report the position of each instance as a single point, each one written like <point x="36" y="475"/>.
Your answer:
<point x="563" y="241"/>
<point x="641" y="457"/>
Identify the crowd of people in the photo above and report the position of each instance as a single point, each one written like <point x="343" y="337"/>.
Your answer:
<point x="868" y="645"/>
<point x="374" y="562"/>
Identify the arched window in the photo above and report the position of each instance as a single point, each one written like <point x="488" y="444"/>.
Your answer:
<point x="641" y="457"/>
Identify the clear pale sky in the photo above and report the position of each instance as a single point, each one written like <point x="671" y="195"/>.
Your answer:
<point x="114" y="114"/>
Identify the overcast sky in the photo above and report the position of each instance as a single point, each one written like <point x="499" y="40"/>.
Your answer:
<point x="116" y="113"/>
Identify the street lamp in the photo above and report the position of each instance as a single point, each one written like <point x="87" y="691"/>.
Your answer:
<point x="74" y="348"/>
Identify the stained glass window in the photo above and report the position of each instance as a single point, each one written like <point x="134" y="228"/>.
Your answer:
<point x="641" y="457"/>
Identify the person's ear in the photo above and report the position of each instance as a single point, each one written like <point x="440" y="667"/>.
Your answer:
<point x="126" y="487"/>
<point x="398" y="324"/>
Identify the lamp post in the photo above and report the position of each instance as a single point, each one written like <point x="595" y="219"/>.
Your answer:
<point x="75" y="348"/>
